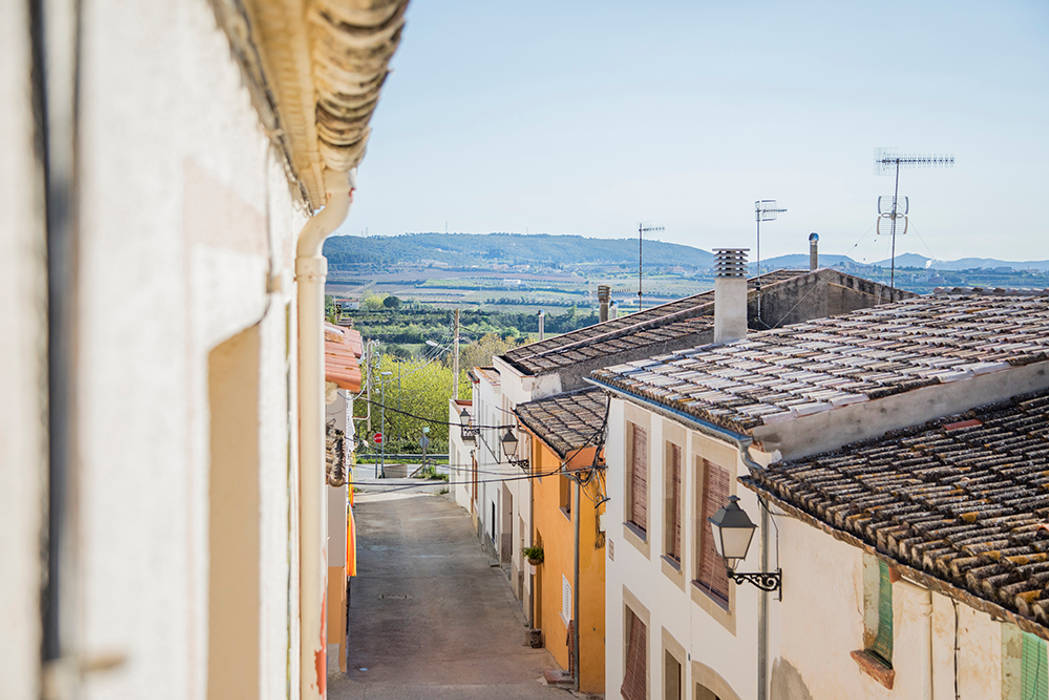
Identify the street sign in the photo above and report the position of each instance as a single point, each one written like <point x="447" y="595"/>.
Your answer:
<point x="378" y="438"/>
<point x="424" y="442"/>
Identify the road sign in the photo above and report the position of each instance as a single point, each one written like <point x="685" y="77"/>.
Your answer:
<point x="378" y="438"/>
<point x="424" y="442"/>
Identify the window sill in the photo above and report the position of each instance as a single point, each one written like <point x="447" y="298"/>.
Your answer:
<point x="636" y="537"/>
<point x="636" y="530"/>
<point x="672" y="562"/>
<point x="874" y="667"/>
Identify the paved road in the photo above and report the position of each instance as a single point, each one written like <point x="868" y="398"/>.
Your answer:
<point x="429" y="617"/>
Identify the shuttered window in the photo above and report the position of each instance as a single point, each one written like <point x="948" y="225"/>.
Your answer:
<point x="638" y="511"/>
<point x="635" y="675"/>
<point x="672" y="501"/>
<point x="1034" y="670"/>
<point x="882" y="645"/>
<point x="711" y="574"/>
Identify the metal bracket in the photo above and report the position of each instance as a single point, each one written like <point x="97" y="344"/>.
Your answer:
<point x="765" y="580"/>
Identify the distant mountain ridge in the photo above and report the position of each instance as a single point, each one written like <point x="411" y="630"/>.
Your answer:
<point x="480" y="250"/>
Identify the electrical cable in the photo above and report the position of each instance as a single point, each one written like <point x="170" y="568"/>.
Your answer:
<point x="435" y="421"/>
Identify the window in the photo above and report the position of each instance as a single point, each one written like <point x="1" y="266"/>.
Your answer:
<point x="710" y="568"/>
<point x="565" y="498"/>
<point x="672" y="501"/>
<point x="672" y="680"/>
<point x="635" y="674"/>
<point x="881" y="646"/>
<point x="637" y="494"/>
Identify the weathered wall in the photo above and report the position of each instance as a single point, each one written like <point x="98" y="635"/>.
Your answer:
<point x="556" y="530"/>
<point x="23" y="367"/>
<point x="459" y="451"/>
<point x="184" y="218"/>
<point x="815" y="599"/>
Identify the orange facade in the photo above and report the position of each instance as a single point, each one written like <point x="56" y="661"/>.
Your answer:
<point x="554" y="511"/>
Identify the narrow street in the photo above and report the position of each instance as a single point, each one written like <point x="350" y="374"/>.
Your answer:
<point x="429" y="616"/>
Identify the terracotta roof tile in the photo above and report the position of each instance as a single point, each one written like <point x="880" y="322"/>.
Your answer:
<point x="964" y="498"/>
<point x="566" y="421"/>
<point x="342" y="348"/>
<point x="831" y="362"/>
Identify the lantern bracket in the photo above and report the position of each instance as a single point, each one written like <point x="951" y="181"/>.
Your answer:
<point x="765" y="580"/>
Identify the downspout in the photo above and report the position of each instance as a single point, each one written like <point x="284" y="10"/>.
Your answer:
<point x="310" y="271"/>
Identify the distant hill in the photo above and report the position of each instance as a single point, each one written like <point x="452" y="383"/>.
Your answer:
<point x="798" y="261"/>
<point x="915" y="260"/>
<point x="482" y="250"/>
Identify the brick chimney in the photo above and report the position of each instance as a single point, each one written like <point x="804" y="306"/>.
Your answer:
<point x="814" y="256"/>
<point x="603" y="294"/>
<point x="730" y="294"/>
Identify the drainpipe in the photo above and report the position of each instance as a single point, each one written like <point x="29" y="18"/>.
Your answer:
<point x="575" y="593"/>
<point x="310" y="271"/>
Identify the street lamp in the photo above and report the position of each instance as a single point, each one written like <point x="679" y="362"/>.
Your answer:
<point x="466" y="426"/>
<point x="733" y="531"/>
<point x="510" y="450"/>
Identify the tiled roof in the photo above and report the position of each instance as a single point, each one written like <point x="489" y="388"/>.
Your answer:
<point x="488" y="374"/>
<point x="963" y="499"/>
<point x="826" y="363"/>
<point x="342" y="348"/>
<point x="654" y="325"/>
<point x="566" y="421"/>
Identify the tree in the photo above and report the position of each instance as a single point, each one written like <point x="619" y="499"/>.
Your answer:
<point x="422" y="391"/>
<point x="372" y="302"/>
<point x="480" y="353"/>
<point x="391" y="302"/>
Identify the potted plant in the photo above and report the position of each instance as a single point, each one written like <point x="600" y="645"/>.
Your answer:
<point x="533" y="554"/>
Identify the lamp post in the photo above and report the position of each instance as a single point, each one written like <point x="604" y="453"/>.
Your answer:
<point x="382" y="423"/>
<point x="733" y="531"/>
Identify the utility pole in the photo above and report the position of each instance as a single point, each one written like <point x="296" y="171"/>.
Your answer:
<point x="368" y="351"/>
<point x="455" y="356"/>
<point x="382" y="424"/>
<point x="886" y="162"/>
<point x="642" y="229"/>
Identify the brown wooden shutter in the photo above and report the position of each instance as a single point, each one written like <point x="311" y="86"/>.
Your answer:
<point x="635" y="676"/>
<point x="674" y="477"/>
<point x="712" y="573"/>
<point x="639" y="477"/>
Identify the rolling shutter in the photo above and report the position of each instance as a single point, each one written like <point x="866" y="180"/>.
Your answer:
<point x="635" y="676"/>
<point x="883" y="641"/>
<point x="712" y="573"/>
<point x="674" y="502"/>
<point x="638" y="476"/>
<point x="1034" y="668"/>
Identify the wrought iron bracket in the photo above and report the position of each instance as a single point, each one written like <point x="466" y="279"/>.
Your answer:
<point x="469" y="433"/>
<point x="521" y="464"/>
<point x="765" y="580"/>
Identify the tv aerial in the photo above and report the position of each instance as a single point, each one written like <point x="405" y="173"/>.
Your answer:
<point x="764" y="210"/>
<point x="642" y="229"/>
<point x="891" y="208"/>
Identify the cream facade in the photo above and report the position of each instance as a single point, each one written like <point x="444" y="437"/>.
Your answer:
<point x="182" y="411"/>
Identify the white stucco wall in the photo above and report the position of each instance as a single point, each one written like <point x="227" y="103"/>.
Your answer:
<point x="23" y="367"/>
<point x="459" y="472"/>
<point x="183" y="215"/>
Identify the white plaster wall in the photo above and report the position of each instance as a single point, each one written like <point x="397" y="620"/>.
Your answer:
<point x="489" y="450"/>
<point x="459" y="472"/>
<point x="821" y="620"/>
<point x="22" y="367"/>
<point x="169" y="138"/>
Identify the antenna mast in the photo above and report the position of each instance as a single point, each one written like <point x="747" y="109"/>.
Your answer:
<point x="885" y="162"/>
<point x="642" y="229"/>
<point x="764" y="210"/>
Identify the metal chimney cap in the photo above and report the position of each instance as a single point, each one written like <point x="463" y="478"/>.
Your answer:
<point x="814" y="236"/>
<point x="603" y="292"/>
<point x="730" y="262"/>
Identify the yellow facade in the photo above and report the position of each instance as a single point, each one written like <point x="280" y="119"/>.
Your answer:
<point x="554" y="530"/>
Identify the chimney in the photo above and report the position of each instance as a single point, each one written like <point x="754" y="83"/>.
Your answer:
<point x="814" y="256"/>
<point x="613" y="311"/>
<point x="730" y="294"/>
<point x="542" y="318"/>
<point x="603" y="293"/>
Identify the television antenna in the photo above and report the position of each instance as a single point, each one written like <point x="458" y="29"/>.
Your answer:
<point x="887" y="161"/>
<point x="764" y="210"/>
<point x="641" y="230"/>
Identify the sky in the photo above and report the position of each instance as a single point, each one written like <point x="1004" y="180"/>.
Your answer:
<point x="587" y="117"/>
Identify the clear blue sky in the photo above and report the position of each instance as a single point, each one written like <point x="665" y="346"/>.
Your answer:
<point x="584" y="118"/>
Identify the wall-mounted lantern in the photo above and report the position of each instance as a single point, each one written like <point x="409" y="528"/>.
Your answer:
<point x="509" y="441"/>
<point x="733" y="531"/>
<point x="466" y="426"/>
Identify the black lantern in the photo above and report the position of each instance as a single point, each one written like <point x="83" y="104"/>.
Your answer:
<point x="733" y="531"/>
<point x="466" y="428"/>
